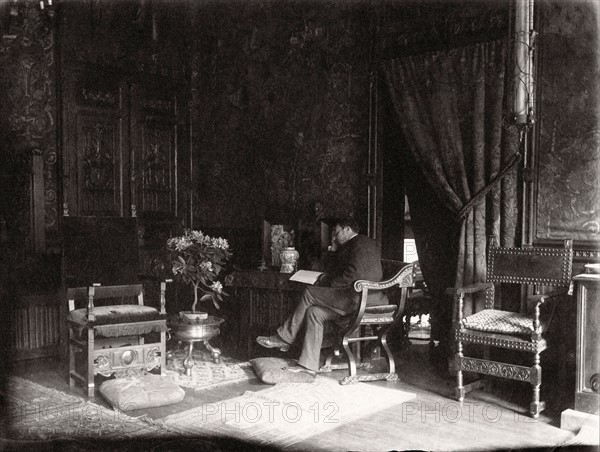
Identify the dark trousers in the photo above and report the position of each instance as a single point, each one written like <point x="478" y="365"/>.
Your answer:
<point x="312" y="312"/>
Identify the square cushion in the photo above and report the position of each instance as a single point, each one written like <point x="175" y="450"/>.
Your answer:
<point x="122" y="313"/>
<point x="111" y="320"/>
<point x="272" y="371"/>
<point x="496" y="321"/>
<point x="146" y="391"/>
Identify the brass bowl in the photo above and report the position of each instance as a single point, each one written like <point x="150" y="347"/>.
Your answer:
<point x="202" y="331"/>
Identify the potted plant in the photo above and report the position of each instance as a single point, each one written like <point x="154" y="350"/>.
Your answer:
<point x="198" y="259"/>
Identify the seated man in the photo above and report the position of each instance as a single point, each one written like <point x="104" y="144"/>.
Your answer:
<point x="332" y="297"/>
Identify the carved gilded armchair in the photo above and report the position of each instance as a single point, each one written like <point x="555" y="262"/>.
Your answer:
<point x="371" y="323"/>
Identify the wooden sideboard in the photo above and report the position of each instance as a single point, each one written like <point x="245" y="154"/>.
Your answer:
<point x="264" y="300"/>
<point x="587" y="385"/>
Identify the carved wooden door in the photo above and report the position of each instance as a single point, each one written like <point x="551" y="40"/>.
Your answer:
<point x="156" y="125"/>
<point x="96" y="143"/>
<point x="121" y="140"/>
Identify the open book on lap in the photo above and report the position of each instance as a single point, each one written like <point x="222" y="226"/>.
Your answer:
<point x="305" y="276"/>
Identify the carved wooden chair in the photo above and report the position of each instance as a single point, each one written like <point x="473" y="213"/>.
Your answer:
<point x="371" y="323"/>
<point x="524" y="332"/>
<point x="111" y="339"/>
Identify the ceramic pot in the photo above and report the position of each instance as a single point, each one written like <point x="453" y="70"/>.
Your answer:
<point x="289" y="259"/>
<point x="193" y="316"/>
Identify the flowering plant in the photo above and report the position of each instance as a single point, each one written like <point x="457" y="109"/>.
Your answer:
<point x="197" y="259"/>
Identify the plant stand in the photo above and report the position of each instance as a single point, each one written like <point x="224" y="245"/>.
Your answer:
<point x="202" y="331"/>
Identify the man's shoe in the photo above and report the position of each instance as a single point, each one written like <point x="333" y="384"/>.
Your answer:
<point x="273" y="342"/>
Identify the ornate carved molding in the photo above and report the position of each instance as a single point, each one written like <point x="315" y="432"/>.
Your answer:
<point x="496" y="369"/>
<point x="99" y="97"/>
<point x="98" y="163"/>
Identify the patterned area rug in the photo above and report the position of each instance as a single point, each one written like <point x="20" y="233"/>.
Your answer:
<point x="206" y="374"/>
<point x="286" y="413"/>
<point x="37" y="413"/>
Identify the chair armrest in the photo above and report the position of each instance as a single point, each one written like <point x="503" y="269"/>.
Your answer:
<point x="402" y="278"/>
<point x="163" y="298"/>
<point x="541" y="299"/>
<point x="91" y="317"/>
<point x="471" y="288"/>
<point x="459" y="295"/>
<point x="535" y="302"/>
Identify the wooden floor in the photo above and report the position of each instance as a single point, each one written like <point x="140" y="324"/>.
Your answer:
<point x="432" y="421"/>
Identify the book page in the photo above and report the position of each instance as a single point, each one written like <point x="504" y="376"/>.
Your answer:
<point x="305" y="276"/>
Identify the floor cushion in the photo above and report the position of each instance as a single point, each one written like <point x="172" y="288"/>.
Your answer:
<point x="273" y="371"/>
<point x="137" y="392"/>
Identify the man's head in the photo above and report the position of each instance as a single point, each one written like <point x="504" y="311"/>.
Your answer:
<point x="344" y="230"/>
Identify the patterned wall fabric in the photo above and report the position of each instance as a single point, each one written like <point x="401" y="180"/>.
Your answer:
<point x="569" y="157"/>
<point x="282" y="111"/>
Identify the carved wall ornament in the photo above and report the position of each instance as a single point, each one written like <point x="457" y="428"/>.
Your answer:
<point x="99" y="97"/>
<point x="98" y="163"/>
<point x="156" y="169"/>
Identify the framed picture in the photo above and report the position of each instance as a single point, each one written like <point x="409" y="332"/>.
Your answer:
<point x="276" y="237"/>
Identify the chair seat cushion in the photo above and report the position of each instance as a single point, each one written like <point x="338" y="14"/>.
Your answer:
<point x="380" y="313"/>
<point x="273" y="370"/>
<point x="496" y="321"/>
<point x="108" y="319"/>
<point x="146" y="391"/>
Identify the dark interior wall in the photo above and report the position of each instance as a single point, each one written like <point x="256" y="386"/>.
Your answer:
<point x="279" y="92"/>
<point x="28" y="117"/>
<point x="282" y="111"/>
<point x="568" y="200"/>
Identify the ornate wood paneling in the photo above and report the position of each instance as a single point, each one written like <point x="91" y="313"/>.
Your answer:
<point x="35" y="324"/>
<point x="568" y="200"/>
<point x="98" y="166"/>
<point x="156" y="123"/>
<point x="95" y="133"/>
<point x="28" y="104"/>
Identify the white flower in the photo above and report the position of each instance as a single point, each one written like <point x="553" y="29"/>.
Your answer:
<point x="197" y="236"/>
<point x="183" y="243"/>
<point x="217" y="287"/>
<point x="220" y="243"/>
<point x="206" y="265"/>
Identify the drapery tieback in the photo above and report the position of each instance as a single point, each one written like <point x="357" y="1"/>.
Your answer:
<point x="516" y="158"/>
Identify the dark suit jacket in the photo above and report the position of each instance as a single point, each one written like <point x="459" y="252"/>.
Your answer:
<point x="358" y="258"/>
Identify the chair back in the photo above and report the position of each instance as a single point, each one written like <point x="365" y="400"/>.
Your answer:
<point x="125" y="294"/>
<point x="100" y="250"/>
<point x="533" y="265"/>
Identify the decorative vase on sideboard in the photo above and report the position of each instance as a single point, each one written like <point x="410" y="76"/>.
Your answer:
<point x="289" y="259"/>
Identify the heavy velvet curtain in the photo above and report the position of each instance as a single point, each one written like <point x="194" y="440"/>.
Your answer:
<point x="452" y="109"/>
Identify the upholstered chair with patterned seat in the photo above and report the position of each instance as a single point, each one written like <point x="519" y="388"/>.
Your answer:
<point x="546" y="275"/>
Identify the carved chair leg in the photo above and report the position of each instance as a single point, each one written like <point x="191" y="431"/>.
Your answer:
<point x="460" y="389"/>
<point x="350" y="358"/>
<point x="487" y="382"/>
<point x="388" y="352"/>
<point x="536" y="407"/>
<point x="163" y="353"/>
<point x="71" y="358"/>
<point x="90" y="362"/>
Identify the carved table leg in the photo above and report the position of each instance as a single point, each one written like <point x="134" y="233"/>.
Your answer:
<point x="188" y="362"/>
<point x="215" y="352"/>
